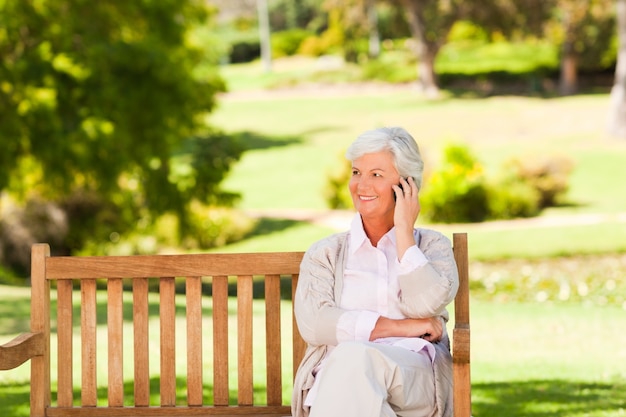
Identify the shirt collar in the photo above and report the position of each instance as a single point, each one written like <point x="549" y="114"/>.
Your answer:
<point x="358" y="236"/>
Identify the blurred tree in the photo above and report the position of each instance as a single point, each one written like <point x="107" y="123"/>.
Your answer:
<point x="352" y="20"/>
<point x="515" y="19"/>
<point x="617" y="115"/>
<point x="430" y="22"/>
<point x="103" y="105"/>
<point x="584" y="29"/>
<point x="297" y="14"/>
<point x="359" y="19"/>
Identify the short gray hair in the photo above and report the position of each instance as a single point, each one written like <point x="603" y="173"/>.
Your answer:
<point x="399" y="142"/>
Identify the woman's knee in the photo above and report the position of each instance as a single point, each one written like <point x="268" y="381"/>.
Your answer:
<point x="356" y="355"/>
<point x="349" y="350"/>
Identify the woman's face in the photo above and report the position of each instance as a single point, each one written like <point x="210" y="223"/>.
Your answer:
<point x="373" y="174"/>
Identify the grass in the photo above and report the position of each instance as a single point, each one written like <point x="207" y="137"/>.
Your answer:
<point x="14" y="320"/>
<point x="522" y="357"/>
<point x="547" y="294"/>
<point x="301" y="136"/>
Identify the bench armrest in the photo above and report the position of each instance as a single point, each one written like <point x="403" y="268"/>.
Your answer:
<point x="20" y="349"/>
<point x="461" y="345"/>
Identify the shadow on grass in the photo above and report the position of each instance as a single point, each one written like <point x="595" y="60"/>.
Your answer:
<point x="548" y="398"/>
<point x="537" y="398"/>
<point x="267" y="225"/>
<point x="15" y="399"/>
<point x="252" y="140"/>
<point x="15" y="312"/>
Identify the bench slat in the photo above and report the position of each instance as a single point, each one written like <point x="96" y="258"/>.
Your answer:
<point x="40" y="393"/>
<point x="194" y="340"/>
<point x="141" y="343"/>
<point x="220" y="340"/>
<point x="115" y="323"/>
<point x="167" y="289"/>
<point x="273" y="340"/>
<point x="244" y="340"/>
<point x="196" y="265"/>
<point x="88" y="322"/>
<point x="65" y="312"/>
<point x="261" y="411"/>
<point x="461" y="301"/>
<point x="299" y="346"/>
<point x="461" y="333"/>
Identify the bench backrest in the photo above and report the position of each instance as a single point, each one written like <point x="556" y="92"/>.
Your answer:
<point x="167" y="272"/>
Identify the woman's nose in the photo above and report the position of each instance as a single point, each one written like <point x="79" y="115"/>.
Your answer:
<point x="360" y="184"/>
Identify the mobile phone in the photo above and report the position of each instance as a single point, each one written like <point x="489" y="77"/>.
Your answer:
<point x="394" y="193"/>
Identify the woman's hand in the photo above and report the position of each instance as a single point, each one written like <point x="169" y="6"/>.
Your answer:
<point x="405" y="214"/>
<point x="430" y="328"/>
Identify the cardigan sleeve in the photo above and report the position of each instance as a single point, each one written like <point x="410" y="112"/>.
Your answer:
<point x="315" y="307"/>
<point x="428" y="289"/>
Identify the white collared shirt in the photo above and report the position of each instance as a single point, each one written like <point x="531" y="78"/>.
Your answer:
<point x="370" y="283"/>
<point x="371" y="290"/>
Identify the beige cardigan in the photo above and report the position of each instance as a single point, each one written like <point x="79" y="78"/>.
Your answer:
<point x="426" y="292"/>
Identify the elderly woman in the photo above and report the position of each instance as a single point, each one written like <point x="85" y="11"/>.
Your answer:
<point x="371" y="301"/>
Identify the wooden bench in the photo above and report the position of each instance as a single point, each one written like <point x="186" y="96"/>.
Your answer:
<point x="141" y="273"/>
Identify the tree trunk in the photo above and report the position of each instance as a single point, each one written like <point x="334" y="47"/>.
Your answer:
<point x="426" y="50"/>
<point x="568" y="80"/>
<point x="426" y="72"/>
<point x="617" y="112"/>
<point x="264" y="35"/>
<point x="374" y="38"/>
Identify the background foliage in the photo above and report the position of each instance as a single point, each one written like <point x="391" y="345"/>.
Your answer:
<point x="109" y="147"/>
<point x="102" y="114"/>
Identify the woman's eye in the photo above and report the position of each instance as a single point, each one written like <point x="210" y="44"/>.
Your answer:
<point x="355" y="172"/>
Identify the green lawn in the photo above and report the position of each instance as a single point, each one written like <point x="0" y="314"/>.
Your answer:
<point x="547" y="294"/>
<point x="528" y="359"/>
<point x="298" y="137"/>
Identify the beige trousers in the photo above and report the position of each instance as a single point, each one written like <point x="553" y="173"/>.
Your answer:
<point x="364" y="379"/>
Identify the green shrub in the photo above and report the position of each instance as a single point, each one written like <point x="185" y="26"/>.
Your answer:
<point x="513" y="197"/>
<point x="244" y="51"/>
<point x="327" y="43"/>
<point x="336" y="193"/>
<point x="464" y="30"/>
<point x="458" y="191"/>
<point x="392" y="67"/>
<point x="287" y="42"/>
<point x="548" y="175"/>
<point x="474" y="58"/>
<point x="9" y="277"/>
<point x="216" y="226"/>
